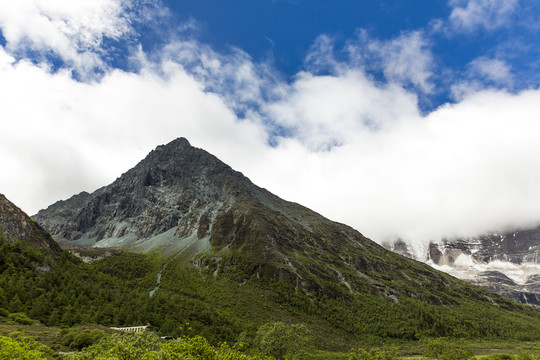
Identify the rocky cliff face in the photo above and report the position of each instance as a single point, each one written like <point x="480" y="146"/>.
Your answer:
<point x="187" y="203"/>
<point x="515" y="247"/>
<point x="176" y="189"/>
<point x="15" y="225"/>
<point x="506" y="262"/>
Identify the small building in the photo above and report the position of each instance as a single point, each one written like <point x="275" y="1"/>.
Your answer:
<point x="147" y="327"/>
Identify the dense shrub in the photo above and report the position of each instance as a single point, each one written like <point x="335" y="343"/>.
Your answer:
<point x="147" y="346"/>
<point x="78" y="338"/>
<point x="446" y="349"/>
<point x="280" y="339"/>
<point x="499" y="357"/>
<point x="18" y="346"/>
<point x="20" y="318"/>
<point x="374" y="354"/>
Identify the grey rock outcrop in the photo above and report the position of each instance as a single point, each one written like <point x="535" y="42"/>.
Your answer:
<point x="15" y="225"/>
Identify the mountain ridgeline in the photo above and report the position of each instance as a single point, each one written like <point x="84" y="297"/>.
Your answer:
<point x="234" y="256"/>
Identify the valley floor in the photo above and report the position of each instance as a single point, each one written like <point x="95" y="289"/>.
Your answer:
<point x="37" y="341"/>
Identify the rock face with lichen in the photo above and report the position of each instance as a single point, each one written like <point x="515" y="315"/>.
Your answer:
<point x="15" y="225"/>
<point x="185" y="202"/>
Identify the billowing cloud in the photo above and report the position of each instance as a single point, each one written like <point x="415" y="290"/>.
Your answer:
<point x="325" y="111"/>
<point x="72" y="31"/>
<point x="405" y="60"/>
<point x="480" y="73"/>
<point x="494" y="70"/>
<point x="336" y="138"/>
<point x="461" y="170"/>
<point x="469" y="15"/>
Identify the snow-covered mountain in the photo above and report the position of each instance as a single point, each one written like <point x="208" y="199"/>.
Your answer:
<point x="504" y="262"/>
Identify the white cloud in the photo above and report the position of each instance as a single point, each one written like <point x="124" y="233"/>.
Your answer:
<point x="406" y="59"/>
<point x="481" y="73"/>
<point x="461" y="170"/>
<point x="72" y="30"/>
<point x="354" y="149"/>
<point x="495" y="70"/>
<point x="234" y="76"/>
<point x="469" y="15"/>
<point x="320" y="57"/>
<point x="323" y="111"/>
<point x="77" y="136"/>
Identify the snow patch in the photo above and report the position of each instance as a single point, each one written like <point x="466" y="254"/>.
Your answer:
<point x="464" y="260"/>
<point x="466" y="268"/>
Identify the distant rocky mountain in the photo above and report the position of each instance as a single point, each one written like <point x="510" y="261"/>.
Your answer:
<point x="516" y="247"/>
<point x="504" y="262"/>
<point x="15" y="226"/>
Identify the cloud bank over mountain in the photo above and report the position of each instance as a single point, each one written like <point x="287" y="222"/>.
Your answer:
<point x="360" y="134"/>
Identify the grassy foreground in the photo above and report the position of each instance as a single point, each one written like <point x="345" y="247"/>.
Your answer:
<point x="273" y="341"/>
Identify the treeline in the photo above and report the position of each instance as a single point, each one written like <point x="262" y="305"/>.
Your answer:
<point x="274" y="341"/>
<point x="143" y="346"/>
<point x="114" y="291"/>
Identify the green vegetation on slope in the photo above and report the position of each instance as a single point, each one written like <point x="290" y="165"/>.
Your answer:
<point x="235" y="302"/>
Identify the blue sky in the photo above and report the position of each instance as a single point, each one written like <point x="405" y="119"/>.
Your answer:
<point x="283" y="31"/>
<point x="403" y="119"/>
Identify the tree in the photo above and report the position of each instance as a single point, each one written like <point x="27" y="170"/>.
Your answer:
<point x="18" y="346"/>
<point x="446" y="349"/>
<point x="123" y="346"/>
<point x="280" y="339"/>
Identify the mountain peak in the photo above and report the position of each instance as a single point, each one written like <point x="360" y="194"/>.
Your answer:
<point x="177" y="146"/>
<point x="178" y="143"/>
<point x="173" y="151"/>
<point x="169" y="190"/>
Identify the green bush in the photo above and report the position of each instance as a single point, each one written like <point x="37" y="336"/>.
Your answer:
<point x="4" y="312"/>
<point x="198" y="347"/>
<point x="499" y="357"/>
<point x="280" y="339"/>
<point x="523" y="355"/>
<point x="446" y="349"/>
<point x="147" y="346"/>
<point x="78" y="338"/>
<point x="19" y="346"/>
<point x="374" y="354"/>
<point x="125" y="346"/>
<point x="20" y="318"/>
